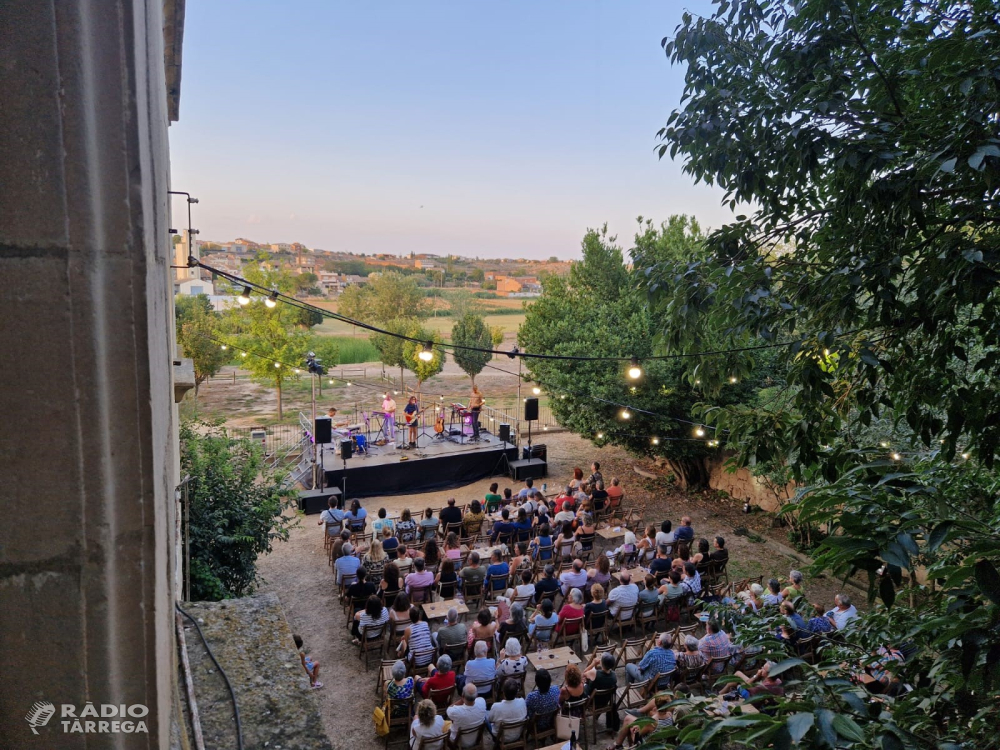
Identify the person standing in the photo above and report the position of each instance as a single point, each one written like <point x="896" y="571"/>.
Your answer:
<point x="389" y="410"/>
<point x="412" y="412"/>
<point x="475" y="406"/>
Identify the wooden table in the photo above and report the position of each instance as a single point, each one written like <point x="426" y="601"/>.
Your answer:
<point x="484" y="552"/>
<point x="610" y="532"/>
<point x="435" y="610"/>
<point x="553" y="658"/>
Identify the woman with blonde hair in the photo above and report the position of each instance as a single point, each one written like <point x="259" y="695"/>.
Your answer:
<point x="426" y="724"/>
<point x="375" y="560"/>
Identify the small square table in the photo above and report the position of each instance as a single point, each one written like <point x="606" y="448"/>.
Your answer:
<point x="435" y="610"/>
<point x="611" y="532"/>
<point x="636" y="574"/>
<point x="553" y="658"/>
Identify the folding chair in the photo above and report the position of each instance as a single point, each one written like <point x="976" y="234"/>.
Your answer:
<point x="586" y="545"/>
<point x="470" y="737"/>
<point x="496" y="588"/>
<point x="571" y="633"/>
<point x="543" y="726"/>
<point x="633" y="695"/>
<point x="602" y="702"/>
<point x="437" y="742"/>
<point x="441" y="698"/>
<point x="372" y="641"/>
<point x="383" y="676"/>
<point x="543" y="630"/>
<point x="400" y="715"/>
<point x="486" y="689"/>
<point x="421" y="594"/>
<point x="472" y="593"/>
<point x="633" y="649"/>
<point x="511" y="735"/>
<point x="625" y="619"/>
<point x="422" y="660"/>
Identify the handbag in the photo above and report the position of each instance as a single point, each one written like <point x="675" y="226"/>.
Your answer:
<point x="381" y="720"/>
<point x="566" y="726"/>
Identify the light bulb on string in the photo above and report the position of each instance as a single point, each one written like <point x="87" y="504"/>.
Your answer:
<point x="733" y="379"/>
<point x="277" y="365"/>
<point x="600" y="435"/>
<point x="331" y="383"/>
<point x="272" y="301"/>
<point x="243" y="354"/>
<point x="634" y="371"/>
<point x="626" y="414"/>
<point x="699" y="431"/>
<point x="884" y="444"/>
<point x="536" y="390"/>
<point x="224" y="347"/>
<point x="427" y="353"/>
<point x="563" y="397"/>
<point x="655" y="441"/>
<point x="244" y="298"/>
<point x="297" y="371"/>
<point x="965" y="456"/>
<point x="896" y="457"/>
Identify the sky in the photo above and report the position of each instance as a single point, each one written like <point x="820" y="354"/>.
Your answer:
<point x="466" y="128"/>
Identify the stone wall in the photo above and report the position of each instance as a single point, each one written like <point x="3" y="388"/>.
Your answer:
<point x="253" y="643"/>
<point x="742" y="485"/>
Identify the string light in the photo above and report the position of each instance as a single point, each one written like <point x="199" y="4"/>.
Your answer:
<point x="699" y="431"/>
<point x="243" y="354"/>
<point x="634" y="371"/>
<point x="884" y="444"/>
<point x="600" y="435"/>
<point x="626" y="414"/>
<point x="536" y="390"/>
<point x="244" y="298"/>
<point x="563" y="397"/>
<point x="733" y="379"/>
<point x="277" y="364"/>
<point x="224" y="347"/>
<point x="331" y="382"/>
<point x="896" y="457"/>
<point x="297" y="371"/>
<point x="655" y="441"/>
<point x="427" y="353"/>
<point x="272" y="301"/>
<point x="965" y="456"/>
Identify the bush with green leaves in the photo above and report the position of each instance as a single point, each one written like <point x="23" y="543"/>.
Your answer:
<point x="236" y="510"/>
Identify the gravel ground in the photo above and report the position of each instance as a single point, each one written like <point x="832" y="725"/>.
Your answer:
<point x="297" y="570"/>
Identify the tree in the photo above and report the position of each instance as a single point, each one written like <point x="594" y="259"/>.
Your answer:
<point x="471" y="330"/>
<point x="197" y="335"/>
<point x="423" y="370"/>
<point x="391" y="348"/>
<point x="496" y="335"/>
<point x="274" y="336"/>
<point x="236" y="501"/>
<point x="385" y="297"/>
<point x="598" y="311"/>
<point x="865" y="137"/>
<point x="477" y="274"/>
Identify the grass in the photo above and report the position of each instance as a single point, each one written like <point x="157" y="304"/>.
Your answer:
<point x="353" y="350"/>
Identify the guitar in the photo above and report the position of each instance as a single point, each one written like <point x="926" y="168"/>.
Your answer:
<point x="439" y="423"/>
<point x="410" y="418"/>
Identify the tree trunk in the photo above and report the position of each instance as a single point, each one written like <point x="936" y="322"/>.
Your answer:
<point x="278" y="388"/>
<point x="691" y="473"/>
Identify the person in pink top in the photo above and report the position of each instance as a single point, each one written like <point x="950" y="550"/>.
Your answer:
<point x="389" y="409"/>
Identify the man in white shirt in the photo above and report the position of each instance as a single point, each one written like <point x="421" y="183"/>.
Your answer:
<point x="564" y="515"/>
<point x="843" y="613"/>
<point x="389" y="409"/>
<point x="575" y="578"/>
<point x="508" y="711"/>
<point x="625" y="595"/>
<point x="332" y="515"/>
<point x="469" y="713"/>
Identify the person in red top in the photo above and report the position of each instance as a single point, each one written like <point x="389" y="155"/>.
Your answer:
<point x="441" y="677"/>
<point x="615" y="493"/>
<point x="571" y="609"/>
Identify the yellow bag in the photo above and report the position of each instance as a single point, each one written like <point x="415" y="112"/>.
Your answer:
<point x="381" y="720"/>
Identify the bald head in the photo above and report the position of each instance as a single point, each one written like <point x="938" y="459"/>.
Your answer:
<point x="470" y="692"/>
<point x="452" y="616"/>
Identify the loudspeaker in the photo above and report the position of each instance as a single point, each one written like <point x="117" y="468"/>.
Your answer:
<point x="324" y="430"/>
<point x="504" y="433"/>
<point x="316" y="501"/>
<point x="538" y="450"/>
<point x="530" y="409"/>
<point x="346" y="449"/>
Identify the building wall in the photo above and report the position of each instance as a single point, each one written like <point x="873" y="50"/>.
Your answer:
<point x="88" y="440"/>
<point x="743" y="485"/>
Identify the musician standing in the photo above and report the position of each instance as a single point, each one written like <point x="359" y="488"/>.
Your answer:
<point x="412" y="412"/>
<point x="389" y="408"/>
<point x="475" y="406"/>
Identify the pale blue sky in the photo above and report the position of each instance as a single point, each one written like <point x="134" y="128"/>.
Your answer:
<point x="514" y="125"/>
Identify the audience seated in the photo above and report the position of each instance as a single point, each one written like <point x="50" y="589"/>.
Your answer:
<point x="347" y="564"/>
<point x="450" y="514"/>
<point x="572" y="687"/>
<point x="794" y="588"/>
<point x="684" y="532"/>
<point x="469" y="712"/>
<point x="624" y="595"/>
<point x="511" y="661"/>
<point x="657" y="660"/>
<point x="573" y="579"/>
<point x="441" y="677"/>
<point x="452" y="634"/>
<point x="842" y="614"/>
<point x="427" y="723"/>
<point x="544" y="698"/>
<point x="479" y="669"/>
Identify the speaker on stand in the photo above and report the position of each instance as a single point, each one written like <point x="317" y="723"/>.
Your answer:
<point x="530" y="414"/>
<point x="323" y="435"/>
<point x="504" y="434"/>
<point x="346" y="451"/>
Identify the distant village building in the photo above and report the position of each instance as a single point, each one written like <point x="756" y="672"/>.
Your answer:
<point x="194" y="287"/>
<point x="519" y="286"/>
<point x="424" y="264"/>
<point x="281" y="247"/>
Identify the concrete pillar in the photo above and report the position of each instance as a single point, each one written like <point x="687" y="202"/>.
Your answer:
<point x="88" y="456"/>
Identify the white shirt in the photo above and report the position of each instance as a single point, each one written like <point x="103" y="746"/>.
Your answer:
<point x="563" y="516"/>
<point x="622" y="596"/>
<point x="662" y="538"/>
<point x="418" y="730"/>
<point x="508" y="712"/>
<point x="389" y="406"/>
<point x="570" y="579"/>
<point x="525" y="589"/>
<point x="843" y="616"/>
<point x="465" y="716"/>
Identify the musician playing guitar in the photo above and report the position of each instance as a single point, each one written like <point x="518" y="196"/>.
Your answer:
<point x="412" y="412"/>
<point x="475" y="406"/>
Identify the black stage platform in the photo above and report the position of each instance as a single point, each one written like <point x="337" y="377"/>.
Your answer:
<point x="437" y="463"/>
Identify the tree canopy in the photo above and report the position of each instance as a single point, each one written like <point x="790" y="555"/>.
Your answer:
<point x="864" y="136"/>
<point x="387" y="296"/>
<point x="471" y="330"/>
<point x="197" y="335"/>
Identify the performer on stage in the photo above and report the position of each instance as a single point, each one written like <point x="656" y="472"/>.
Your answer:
<point x="475" y="406"/>
<point x="332" y="413"/>
<point x="412" y="419"/>
<point x="389" y="407"/>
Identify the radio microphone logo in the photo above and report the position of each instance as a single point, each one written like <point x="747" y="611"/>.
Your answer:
<point x="39" y="714"/>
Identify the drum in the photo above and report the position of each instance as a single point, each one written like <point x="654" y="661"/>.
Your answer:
<point x="362" y="443"/>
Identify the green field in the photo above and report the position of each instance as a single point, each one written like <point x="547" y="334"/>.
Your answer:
<point x="509" y="323"/>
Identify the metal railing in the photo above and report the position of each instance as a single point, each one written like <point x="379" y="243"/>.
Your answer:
<point x="276" y="439"/>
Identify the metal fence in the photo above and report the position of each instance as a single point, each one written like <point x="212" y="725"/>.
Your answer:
<point x="276" y="439"/>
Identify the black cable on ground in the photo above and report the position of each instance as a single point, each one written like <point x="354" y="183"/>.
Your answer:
<point x="232" y="693"/>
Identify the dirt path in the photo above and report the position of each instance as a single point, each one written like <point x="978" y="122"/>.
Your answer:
<point x="297" y="571"/>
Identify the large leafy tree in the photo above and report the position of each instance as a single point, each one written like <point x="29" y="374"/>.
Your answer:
<point x="391" y="348"/>
<point x="423" y="369"/>
<point x="197" y="334"/>
<point x="274" y="335"/>
<point x="598" y="311"/>
<point x="387" y="296"/>
<point x="236" y="503"/>
<point x="865" y="135"/>
<point x="471" y="330"/>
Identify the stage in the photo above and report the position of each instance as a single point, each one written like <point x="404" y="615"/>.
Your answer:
<point x="436" y="463"/>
